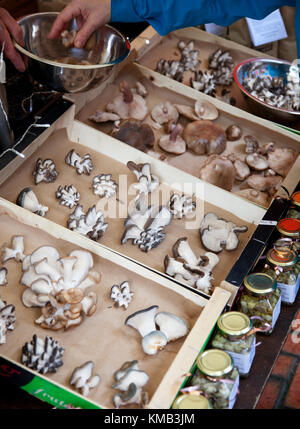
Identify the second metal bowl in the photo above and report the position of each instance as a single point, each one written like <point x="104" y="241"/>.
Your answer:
<point x="43" y="56"/>
<point x="272" y="68"/>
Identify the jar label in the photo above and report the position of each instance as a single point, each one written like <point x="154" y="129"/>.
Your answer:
<point x="289" y="292"/>
<point x="234" y="392"/>
<point x="243" y="361"/>
<point x="276" y="312"/>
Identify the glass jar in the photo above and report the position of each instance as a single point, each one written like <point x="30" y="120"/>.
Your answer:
<point x="282" y="263"/>
<point x="191" y="402"/>
<point x="217" y="378"/>
<point x="235" y="335"/>
<point x="294" y="210"/>
<point x="289" y="229"/>
<point x="261" y="298"/>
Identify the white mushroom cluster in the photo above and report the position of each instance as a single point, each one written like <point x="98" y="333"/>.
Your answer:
<point x="3" y="274"/>
<point x="45" y="171"/>
<point x="104" y="186"/>
<point x="171" y="328"/>
<point x="82" y="164"/>
<point x="221" y="64"/>
<point x="82" y="378"/>
<point x="121" y="295"/>
<point x="42" y="355"/>
<point x="145" y="224"/>
<point x="130" y="380"/>
<point x="272" y="89"/>
<point x="217" y="234"/>
<point x="185" y="267"/>
<point x="28" y="200"/>
<point x="7" y="319"/>
<point x="46" y="273"/>
<point x="91" y="224"/>
<point x="181" y="206"/>
<point x="147" y="182"/>
<point x="68" y="196"/>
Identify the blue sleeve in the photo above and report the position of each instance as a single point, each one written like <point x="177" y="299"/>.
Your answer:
<point x="169" y="15"/>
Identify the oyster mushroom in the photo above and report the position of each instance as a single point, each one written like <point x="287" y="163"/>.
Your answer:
<point x="3" y="274"/>
<point x="68" y="196"/>
<point x="217" y="234"/>
<point x="45" y="171"/>
<point x="28" y="200"/>
<point x="133" y="395"/>
<point x="154" y="342"/>
<point x="7" y="319"/>
<point x="135" y="134"/>
<point x="264" y="183"/>
<point x="257" y="162"/>
<point x="82" y="378"/>
<point x="181" y="206"/>
<point x="233" y="132"/>
<point x="90" y="224"/>
<point x="281" y="160"/>
<point x="104" y="186"/>
<point x="147" y="182"/>
<point x="128" y="105"/>
<point x="172" y="326"/>
<point x="204" y="137"/>
<point x="164" y="112"/>
<point x="242" y="170"/>
<point x="121" y="295"/>
<point x="139" y="378"/>
<point x="83" y="165"/>
<point x="219" y="171"/>
<point x="16" y="251"/>
<point x="143" y="320"/>
<point x="173" y="143"/>
<point x="258" y="197"/>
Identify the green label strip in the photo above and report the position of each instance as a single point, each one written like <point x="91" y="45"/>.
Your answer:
<point x="56" y="396"/>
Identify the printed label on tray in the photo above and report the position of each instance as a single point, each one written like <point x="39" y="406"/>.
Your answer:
<point x="276" y="312"/>
<point x="243" y="361"/>
<point x="234" y="392"/>
<point x="289" y="292"/>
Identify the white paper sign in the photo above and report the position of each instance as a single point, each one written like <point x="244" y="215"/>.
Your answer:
<point x="267" y="30"/>
<point x="212" y="28"/>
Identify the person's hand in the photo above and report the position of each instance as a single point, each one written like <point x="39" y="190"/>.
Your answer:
<point x="89" y="15"/>
<point x="11" y="29"/>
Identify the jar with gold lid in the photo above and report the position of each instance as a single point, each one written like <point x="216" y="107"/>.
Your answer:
<point x="294" y="210"/>
<point x="283" y="264"/>
<point x="217" y="378"/>
<point x="191" y="402"/>
<point x="261" y="298"/>
<point x="289" y="229"/>
<point x="236" y="335"/>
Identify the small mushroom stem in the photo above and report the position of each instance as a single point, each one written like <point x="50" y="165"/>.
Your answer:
<point x="177" y="129"/>
<point x="126" y="91"/>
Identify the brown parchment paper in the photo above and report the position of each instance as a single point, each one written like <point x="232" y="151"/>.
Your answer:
<point x="103" y="337"/>
<point x="57" y="147"/>
<point x="189" y="161"/>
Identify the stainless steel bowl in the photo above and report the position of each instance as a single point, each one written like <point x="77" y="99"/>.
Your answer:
<point x="268" y="67"/>
<point x="44" y="56"/>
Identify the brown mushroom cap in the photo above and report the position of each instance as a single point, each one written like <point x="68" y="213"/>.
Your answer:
<point x="233" y="132"/>
<point x="218" y="170"/>
<point x="173" y="143"/>
<point x="281" y="160"/>
<point x="136" y="134"/>
<point x="204" y="137"/>
<point x="251" y="144"/>
<point x="242" y="171"/>
<point x="258" y="197"/>
<point x="257" y="162"/>
<point x="202" y="110"/>
<point x="164" y="112"/>
<point x="262" y="183"/>
<point x="128" y="105"/>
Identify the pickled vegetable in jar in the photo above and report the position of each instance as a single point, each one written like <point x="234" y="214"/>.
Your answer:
<point x="217" y="378"/>
<point x="289" y="228"/>
<point x="261" y="298"/>
<point x="191" y="402"/>
<point x="294" y="210"/>
<point x="283" y="263"/>
<point x="235" y="335"/>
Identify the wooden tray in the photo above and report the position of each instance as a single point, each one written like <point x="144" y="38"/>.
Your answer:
<point x="150" y="47"/>
<point x="101" y="337"/>
<point x="110" y="156"/>
<point x="160" y="89"/>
